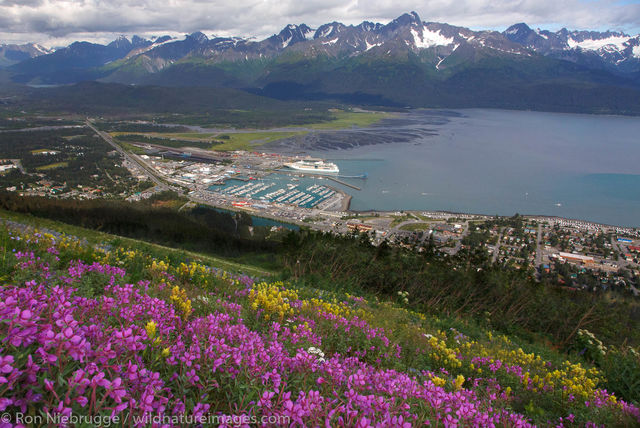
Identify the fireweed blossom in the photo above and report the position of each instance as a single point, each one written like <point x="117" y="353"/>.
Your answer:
<point x="232" y="346"/>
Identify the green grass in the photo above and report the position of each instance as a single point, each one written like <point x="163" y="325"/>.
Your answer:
<point x="402" y="218"/>
<point x="195" y="136"/>
<point x="412" y="227"/>
<point x="236" y="141"/>
<point x="348" y="119"/>
<point x="360" y="217"/>
<point x="95" y="238"/>
<point x="39" y="151"/>
<point x="426" y="218"/>
<point x="52" y="166"/>
<point x="188" y="136"/>
<point x="131" y="148"/>
<point x="250" y="140"/>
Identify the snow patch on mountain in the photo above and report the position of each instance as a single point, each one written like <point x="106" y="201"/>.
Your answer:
<point x="155" y="45"/>
<point x="442" y="59"/>
<point x="429" y="39"/>
<point x="371" y="46"/>
<point x="308" y="34"/>
<point x="596" y="44"/>
<point x="541" y="34"/>
<point x="42" y="49"/>
<point x="325" y="32"/>
<point x="286" y="42"/>
<point x="636" y="51"/>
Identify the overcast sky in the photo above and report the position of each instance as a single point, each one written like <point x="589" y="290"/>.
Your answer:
<point x="57" y="22"/>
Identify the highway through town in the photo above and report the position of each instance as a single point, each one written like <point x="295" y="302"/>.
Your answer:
<point x="131" y="158"/>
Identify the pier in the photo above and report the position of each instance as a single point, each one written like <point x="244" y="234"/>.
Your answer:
<point x="342" y="182"/>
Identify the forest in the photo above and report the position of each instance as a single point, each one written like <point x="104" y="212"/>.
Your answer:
<point x="68" y="157"/>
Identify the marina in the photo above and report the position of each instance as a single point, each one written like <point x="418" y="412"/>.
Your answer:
<point x="344" y="183"/>
<point x="275" y="188"/>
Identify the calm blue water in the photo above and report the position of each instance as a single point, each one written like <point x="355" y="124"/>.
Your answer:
<point x="261" y="221"/>
<point x="505" y="162"/>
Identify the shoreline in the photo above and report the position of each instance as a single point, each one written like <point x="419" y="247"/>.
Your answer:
<point x="582" y="222"/>
<point x="346" y="202"/>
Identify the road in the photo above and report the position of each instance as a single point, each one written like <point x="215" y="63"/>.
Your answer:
<point x="616" y="245"/>
<point x="107" y="138"/>
<point x="539" y="246"/>
<point x="496" y="249"/>
<point x="186" y="204"/>
<point x="622" y="262"/>
<point x="465" y="229"/>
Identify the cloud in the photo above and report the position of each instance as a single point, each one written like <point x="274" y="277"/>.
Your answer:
<point x="52" y="21"/>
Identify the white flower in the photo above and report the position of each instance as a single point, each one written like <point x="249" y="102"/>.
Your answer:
<point x="315" y="351"/>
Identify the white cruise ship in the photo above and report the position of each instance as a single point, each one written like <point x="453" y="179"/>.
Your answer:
<point x="314" y="165"/>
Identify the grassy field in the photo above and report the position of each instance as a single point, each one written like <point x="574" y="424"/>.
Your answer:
<point x="99" y="238"/>
<point x="360" y="217"/>
<point x="186" y="136"/>
<point x="39" y="151"/>
<point x="402" y="218"/>
<point x="131" y="148"/>
<point x="235" y="141"/>
<point x="413" y="227"/>
<point x="349" y="119"/>
<point x="426" y="218"/>
<point x="52" y="166"/>
<point x="249" y="141"/>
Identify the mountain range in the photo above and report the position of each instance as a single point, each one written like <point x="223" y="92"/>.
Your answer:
<point x="13" y="54"/>
<point x="407" y="62"/>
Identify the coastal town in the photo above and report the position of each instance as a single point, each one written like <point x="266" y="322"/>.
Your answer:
<point x="303" y="192"/>
<point x="576" y="254"/>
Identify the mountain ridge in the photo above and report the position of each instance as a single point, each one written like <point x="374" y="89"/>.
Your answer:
<point x="406" y="62"/>
<point x="613" y="47"/>
<point x="11" y="54"/>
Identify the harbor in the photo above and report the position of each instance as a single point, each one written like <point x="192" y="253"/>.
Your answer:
<point x="254" y="181"/>
<point x="276" y="188"/>
<point x="344" y="183"/>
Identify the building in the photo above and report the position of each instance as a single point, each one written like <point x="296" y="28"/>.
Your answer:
<point x="577" y="258"/>
<point x="359" y="227"/>
<point x="44" y="152"/>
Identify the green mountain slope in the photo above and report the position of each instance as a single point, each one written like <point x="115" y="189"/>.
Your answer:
<point x="173" y="331"/>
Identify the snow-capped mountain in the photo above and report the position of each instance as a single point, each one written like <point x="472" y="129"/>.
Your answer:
<point x="13" y="54"/>
<point x="406" y="33"/>
<point x="76" y="62"/>
<point x="609" y="50"/>
<point x="341" y="57"/>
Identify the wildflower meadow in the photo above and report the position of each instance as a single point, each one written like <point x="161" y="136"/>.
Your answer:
<point x="104" y="335"/>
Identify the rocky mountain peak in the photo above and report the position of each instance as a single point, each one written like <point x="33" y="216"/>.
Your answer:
<point x="198" y="37"/>
<point x="292" y="34"/>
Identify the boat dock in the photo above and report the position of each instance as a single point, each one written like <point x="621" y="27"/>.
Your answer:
<point x="342" y="182"/>
<point x="267" y="190"/>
